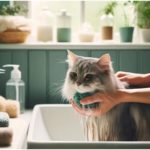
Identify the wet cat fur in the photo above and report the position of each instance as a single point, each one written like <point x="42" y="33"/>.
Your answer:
<point x="125" y="122"/>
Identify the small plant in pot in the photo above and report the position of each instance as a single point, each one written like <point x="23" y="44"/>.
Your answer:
<point x="126" y="31"/>
<point x="142" y="9"/>
<point x="107" y="21"/>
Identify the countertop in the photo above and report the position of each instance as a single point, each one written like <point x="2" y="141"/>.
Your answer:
<point x="20" y="127"/>
<point x="61" y="46"/>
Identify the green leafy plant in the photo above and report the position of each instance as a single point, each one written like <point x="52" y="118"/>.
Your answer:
<point x="127" y="21"/>
<point x="12" y="10"/>
<point x="143" y="13"/>
<point x="109" y="8"/>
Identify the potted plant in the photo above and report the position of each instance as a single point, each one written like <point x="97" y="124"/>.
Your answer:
<point x="142" y="9"/>
<point x="126" y="31"/>
<point x="7" y="10"/>
<point x="107" y="20"/>
<point x="14" y="27"/>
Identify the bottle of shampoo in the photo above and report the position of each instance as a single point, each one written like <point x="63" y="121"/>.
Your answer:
<point x="64" y="27"/>
<point x="15" y="87"/>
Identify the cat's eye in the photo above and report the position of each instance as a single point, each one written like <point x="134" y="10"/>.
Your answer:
<point x="89" y="77"/>
<point x="73" y="76"/>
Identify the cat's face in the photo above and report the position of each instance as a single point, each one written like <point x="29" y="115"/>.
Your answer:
<point x="86" y="74"/>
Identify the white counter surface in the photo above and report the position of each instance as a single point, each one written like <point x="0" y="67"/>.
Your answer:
<point x="86" y="46"/>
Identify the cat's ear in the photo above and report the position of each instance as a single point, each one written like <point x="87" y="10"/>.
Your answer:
<point x="72" y="58"/>
<point x="105" y="62"/>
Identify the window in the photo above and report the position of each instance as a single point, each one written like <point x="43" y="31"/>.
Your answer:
<point x="88" y="11"/>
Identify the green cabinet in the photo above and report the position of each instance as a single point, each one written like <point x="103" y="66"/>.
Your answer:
<point x="44" y="70"/>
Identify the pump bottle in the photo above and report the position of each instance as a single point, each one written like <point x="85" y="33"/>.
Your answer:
<point x="15" y="87"/>
<point x="2" y="71"/>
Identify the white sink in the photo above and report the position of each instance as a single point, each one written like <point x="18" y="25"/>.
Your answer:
<point x="59" y="127"/>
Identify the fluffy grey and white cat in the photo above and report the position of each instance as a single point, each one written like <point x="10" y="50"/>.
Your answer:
<point x="125" y="122"/>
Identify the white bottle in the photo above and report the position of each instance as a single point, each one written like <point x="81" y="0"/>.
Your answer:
<point x="45" y="27"/>
<point x="86" y="33"/>
<point x="107" y="22"/>
<point x="64" y="27"/>
<point x="15" y="87"/>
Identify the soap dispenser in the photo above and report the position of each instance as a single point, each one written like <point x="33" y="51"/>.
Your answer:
<point x="2" y="71"/>
<point x="15" y="87"/>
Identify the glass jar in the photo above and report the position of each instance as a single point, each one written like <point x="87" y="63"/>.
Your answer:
<point x="45" y="27"/>
<point x="63" y="27"/>
<point x="86" y="33"/>
<point x="107" y="22"/>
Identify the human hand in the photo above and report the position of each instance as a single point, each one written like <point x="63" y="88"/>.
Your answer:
<point x="106" y="102"/>
<point x="131" y="78"/>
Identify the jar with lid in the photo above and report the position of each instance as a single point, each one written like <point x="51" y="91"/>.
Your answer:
<point x="45" y="27"/>
<point x="64" y="27"/>
<point x="107" y="21"/>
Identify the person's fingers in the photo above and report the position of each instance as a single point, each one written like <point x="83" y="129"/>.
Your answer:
<point x="120" y="74"/>
<point x="100" y="110"/>
<point x="124" y="78"/>
<point x="103" y="108"/>
<point x="128" y="79"/>
<point x="75" y="106"/>
<point x="82" y="111"/>
<point x="78" y="109"/>
<point x="91" y="99"/>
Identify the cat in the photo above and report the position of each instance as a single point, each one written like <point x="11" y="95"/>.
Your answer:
<point x="125" y="122"/>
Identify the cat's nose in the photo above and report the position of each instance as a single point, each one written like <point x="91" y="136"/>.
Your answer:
<point x="78" y="83"/>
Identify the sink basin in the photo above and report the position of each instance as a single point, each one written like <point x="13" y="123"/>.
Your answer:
<point x="59" y="127"/>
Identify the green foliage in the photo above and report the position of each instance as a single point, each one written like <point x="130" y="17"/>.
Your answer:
<point x="143" y="14"/>
<point x="125" y="15"/>
<point x="109" y="8"/>
<point x="12" y="10"/>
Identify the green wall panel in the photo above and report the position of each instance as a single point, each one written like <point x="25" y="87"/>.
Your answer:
<point x="113" y="54"/>
<point x="37" y="77"/>
<point x="128" y="61"/>
<point x="85" y="53"/>
<point x="5" y="58"/>
<point x="44" y="71"/>
<point x="56" y="74"/>
<point x="21" y="58"/>
<point x="57" y="67"/>
<point x="144" y="66"/>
